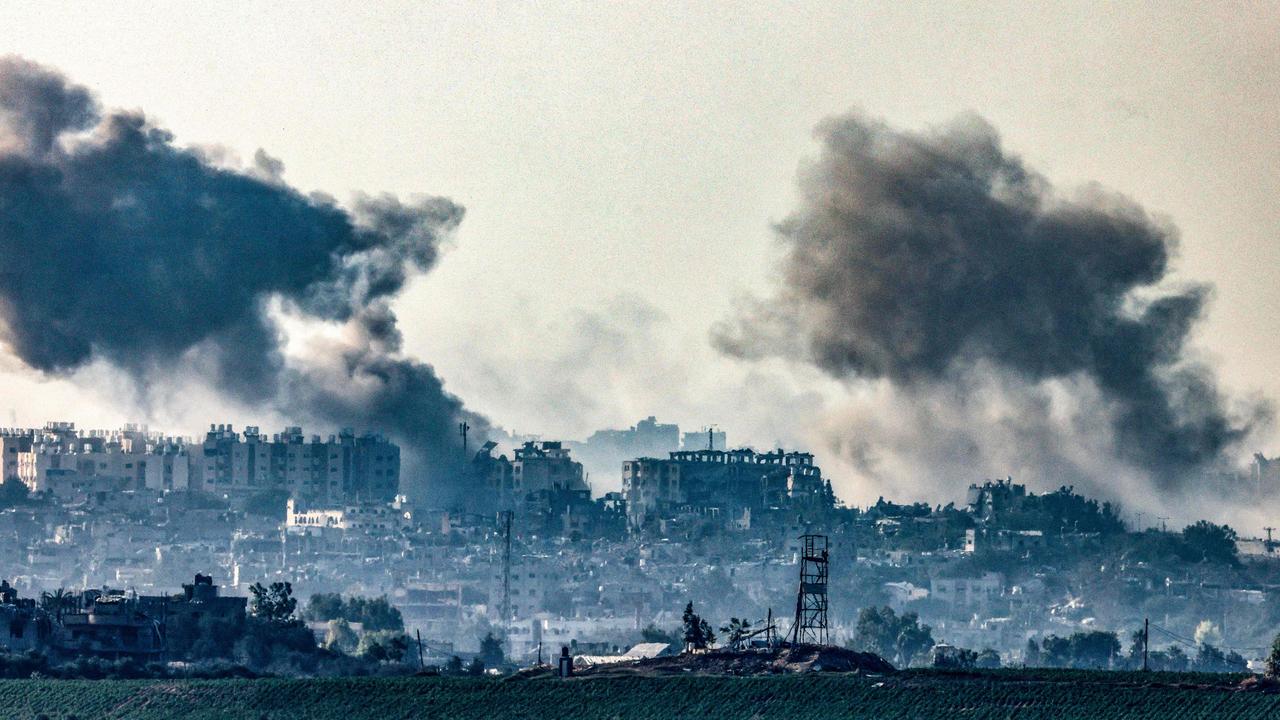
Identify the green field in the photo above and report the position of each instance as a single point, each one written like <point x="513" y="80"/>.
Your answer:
<point x="1038" y="694"/>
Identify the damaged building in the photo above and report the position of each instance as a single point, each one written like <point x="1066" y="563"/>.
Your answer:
<point x="734" y="483"/>
<point x="68" y="463"/>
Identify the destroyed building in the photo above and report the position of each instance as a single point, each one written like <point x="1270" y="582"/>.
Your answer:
<point x="992" y="499"/>
<point x="115" y="624"/>
<point x="726" y="483"/>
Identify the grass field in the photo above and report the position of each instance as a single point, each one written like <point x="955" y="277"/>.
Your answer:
<point x="925" y="695"/>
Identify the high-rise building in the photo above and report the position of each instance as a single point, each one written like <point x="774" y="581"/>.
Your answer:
<point x="347" y="467"/>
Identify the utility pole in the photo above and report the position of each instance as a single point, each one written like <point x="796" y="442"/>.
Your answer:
<point x="1162" y="518"/>
<point x="1146" y="641"/>
<point x="506" y="571"/>
<point x="463" y="427"/>
<point x="1270" y="546"/>
<point x="1140" y="514"/>
<point x="421" y="664"/>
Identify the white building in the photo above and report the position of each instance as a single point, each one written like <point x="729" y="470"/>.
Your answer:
<point x="968" y="592"/>
<point x="366" y="518"/>
<point x="554" y="633"/>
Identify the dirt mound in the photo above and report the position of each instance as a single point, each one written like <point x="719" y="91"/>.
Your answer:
<point x="802" y="658"/>
<point x="1258" y="683"/>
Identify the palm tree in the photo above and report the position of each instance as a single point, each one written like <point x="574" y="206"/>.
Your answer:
<point x="737" y="632"/>
<point x="57" y="601"/>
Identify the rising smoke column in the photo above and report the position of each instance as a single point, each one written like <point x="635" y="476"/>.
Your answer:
<point x="120" y="246"/>
<point x="916" y="257"/>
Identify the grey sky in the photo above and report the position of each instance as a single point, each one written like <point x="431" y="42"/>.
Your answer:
<point x="621" y="163"/>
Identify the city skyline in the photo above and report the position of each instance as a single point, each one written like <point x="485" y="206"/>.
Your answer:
<point x="598" y="277"/>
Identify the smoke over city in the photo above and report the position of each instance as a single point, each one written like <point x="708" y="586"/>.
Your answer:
<point x="122" y="247"/>
<point x="990" y="310"/>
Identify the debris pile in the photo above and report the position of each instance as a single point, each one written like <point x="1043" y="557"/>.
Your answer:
<point x="798" y="659"/>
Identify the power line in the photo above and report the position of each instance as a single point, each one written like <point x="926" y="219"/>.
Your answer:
<point x="1191" y="643"/>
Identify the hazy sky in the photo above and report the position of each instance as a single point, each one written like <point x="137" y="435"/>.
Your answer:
<point x="621" y="165"/>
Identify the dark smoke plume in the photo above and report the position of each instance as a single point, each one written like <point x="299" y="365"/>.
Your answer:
<point x="120" y="246"/>
<point x="915" y="257"/>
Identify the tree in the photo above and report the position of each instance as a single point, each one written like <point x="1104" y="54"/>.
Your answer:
<point x="377" y="613"/>
<point x="1172" y="659"/>
<point x="736" y="631"/>
<point x="372" y="613"/>
<point x="876" y="630"/>
<point x="708" y="635"/>
<point x="274" y="603"/>
<point x="988" y="659"/>
<point x="383" y="646"/>
<point x="914" y="639"/>
<point x="397" y="647"/>
<point x="1055" y="651"/>
<point x="1211" y="659"/>
<point x="324" y="607"/>
<point x="476" y="667"/>
<point x="491" y="651"/>
<point x="1032" y="656"/>
<point x="881" y="631"/>
<point x="57" y="601"/>
<point x="698" y="634"/>
<point x="1095" y="649"/>
<point x="1207" y="542"/>
<point x="1137" y="643"/>
<point x="271" y="640"/>
<point x="954" y="658"/>
<point x="13" y="492"/>
<point x="1273" y="660"/>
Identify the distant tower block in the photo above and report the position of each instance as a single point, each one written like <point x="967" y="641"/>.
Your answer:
<point x="811" y="601"/>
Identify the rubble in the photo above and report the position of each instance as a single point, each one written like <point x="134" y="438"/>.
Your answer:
<point x="798" y="659"/>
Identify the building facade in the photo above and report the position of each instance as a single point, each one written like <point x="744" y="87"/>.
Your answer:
<point x="720" y="482"/>
<point x="70" y="463"/>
